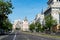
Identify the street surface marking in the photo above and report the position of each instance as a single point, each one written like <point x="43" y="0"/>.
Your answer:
<point x="14" y="37"/>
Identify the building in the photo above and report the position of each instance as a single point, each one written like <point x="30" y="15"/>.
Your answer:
<point x="54" y="10"/>
<point x="22" y="25"/>
<point x="17" y="24"/>
<point x="40" y="18"/>
<point x="25" y="25"/>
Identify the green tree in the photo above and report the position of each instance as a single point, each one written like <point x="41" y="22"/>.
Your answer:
<point x="49" y="22"/>
<point x="37" y="26"/>
<point x="32" y="27"/>
<point x="5" y="9"/>
<point x="7" y="25"/>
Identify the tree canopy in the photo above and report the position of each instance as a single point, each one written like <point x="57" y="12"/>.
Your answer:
<point x="5" y="9"/>
<point x="49" y="22"/>
<point x="32" y="27"/>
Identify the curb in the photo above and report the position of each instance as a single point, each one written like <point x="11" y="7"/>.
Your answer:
<point x="43" y="35"/>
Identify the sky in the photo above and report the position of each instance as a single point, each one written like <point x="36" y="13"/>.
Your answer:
<point x="27" y="8"/>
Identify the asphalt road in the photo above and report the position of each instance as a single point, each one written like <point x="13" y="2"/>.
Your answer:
<point x="21" y="36"/>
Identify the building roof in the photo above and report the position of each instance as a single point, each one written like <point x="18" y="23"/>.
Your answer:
<point x="47" y="10"/>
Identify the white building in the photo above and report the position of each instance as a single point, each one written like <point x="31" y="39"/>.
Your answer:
<point x="23" y="25"/>
<point x="17" y="24"/>
<point x="40" y="18"/>
<point x="54" y="10"/>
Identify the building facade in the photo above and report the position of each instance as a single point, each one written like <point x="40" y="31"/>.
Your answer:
<point x="25" y="26"/>
<point x="22" y="25"/>
<point x="17" y="24"/>
<point x="40" y="18"/>
<point x="54" y="10"/>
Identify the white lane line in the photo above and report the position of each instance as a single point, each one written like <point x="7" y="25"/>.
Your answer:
<point x="14" y="37"/>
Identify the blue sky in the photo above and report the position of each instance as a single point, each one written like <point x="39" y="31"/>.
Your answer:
<point x="28" y="8"/>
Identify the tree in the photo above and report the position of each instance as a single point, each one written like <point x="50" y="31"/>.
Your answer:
<point x="32" y="27"/>
<point x="37" y="26"/>
<point x="5" y="9"/>
<point x="49" y="22"/>
<point x="7" y="25"/>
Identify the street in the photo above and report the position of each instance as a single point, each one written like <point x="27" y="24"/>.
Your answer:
<point x="21" y="36"/>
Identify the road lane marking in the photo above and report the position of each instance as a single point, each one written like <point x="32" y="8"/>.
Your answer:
<point x="14" y="37"/>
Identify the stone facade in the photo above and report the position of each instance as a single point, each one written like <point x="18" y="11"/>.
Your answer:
<point x="54" y="10"/>
<point x="25" y="26"/>
<point x="40" y="18"/>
